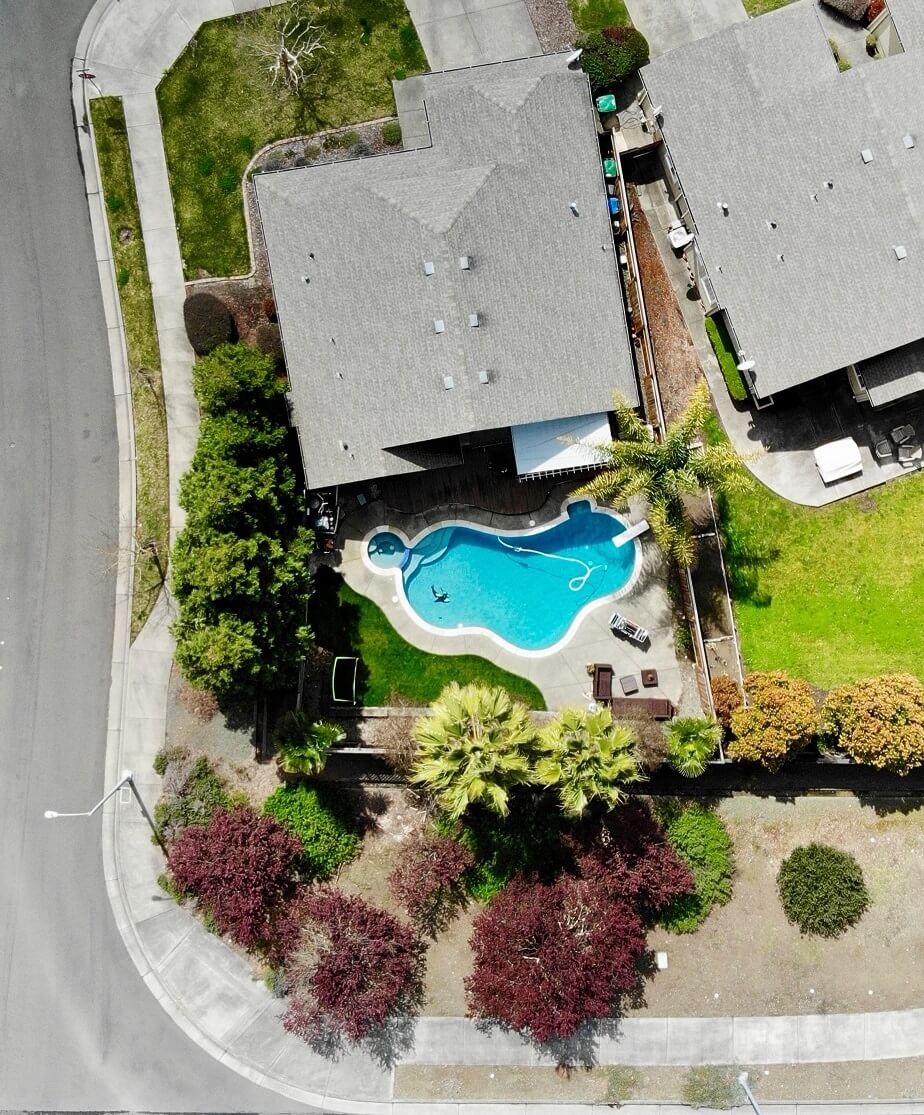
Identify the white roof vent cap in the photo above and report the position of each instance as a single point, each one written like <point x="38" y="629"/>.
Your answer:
<point x="428" y="267"/>
<point x="901" y="252"/>
<point x="465" y="264"/>
<point x="908" y="141"/>
<point x="439" y="326"/>
<point x="866" y="155"/>
<point x="448" y="382"/>
<point x="484" y="376"/>
<point x="474" y="320"/>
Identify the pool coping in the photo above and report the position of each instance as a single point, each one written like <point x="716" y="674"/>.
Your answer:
<point x="486" y="632"/>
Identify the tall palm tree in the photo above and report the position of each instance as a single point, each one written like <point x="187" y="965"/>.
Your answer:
<point x="474" y="748"/>
<point x="665" y="472"/>
<point x="585" y="757"/>
<point x="691" y="743"/>
<point x="302" y="746"/>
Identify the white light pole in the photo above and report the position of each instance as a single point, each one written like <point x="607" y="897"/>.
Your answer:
<point x="743" y="1081"/>
<point x="127" y="779"/>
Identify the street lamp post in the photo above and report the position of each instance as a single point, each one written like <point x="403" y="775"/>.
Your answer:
<point x="743" y="1081"/>
<point x="127" y="779"/>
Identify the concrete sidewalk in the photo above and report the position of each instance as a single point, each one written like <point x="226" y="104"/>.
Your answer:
<point x="208" y="989"/>
<point x="458" y="33"/>
<point x="667" y="24"/>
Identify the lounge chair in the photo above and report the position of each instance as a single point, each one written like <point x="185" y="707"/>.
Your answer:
<point x="901" y="434"/>
<point x="909" y="452"/>
<point x="628" y="629"/>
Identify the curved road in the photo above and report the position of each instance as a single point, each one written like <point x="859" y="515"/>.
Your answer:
<point x="78" y="1028"/>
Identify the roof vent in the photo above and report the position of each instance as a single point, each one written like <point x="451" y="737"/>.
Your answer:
<point x="428" y="267"/>
<point x="465" y="264"/>
<point x="305" y="279"/>
<point x="474" y="320"/>
<point x="439" y="326"/>
<point x="814" y="197"/>
<point x="484" y="376"/>
<point x="723" y="205"/>
<point x="343" y="446"/>
<point x="901" y="252"/>
<point x="781" y="258"/>
<point x="908" y="141"/>
<point x="866" y="155"/>
<point x="771" y="224"/>
<point x="829" y="185"/>
<point x="573" y="206"/>
<point x="448" y="382"/>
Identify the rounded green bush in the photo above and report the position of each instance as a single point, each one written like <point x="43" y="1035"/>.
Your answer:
<point x="391" y="133"/>
<point x="612" y="54"/>
<point x="701" y="840"/>
<point x="321" y="820"/>
<point x="822" y="890"/>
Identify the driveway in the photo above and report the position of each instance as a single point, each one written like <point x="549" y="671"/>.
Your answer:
<point x="667" y="24"/>
<point x="458" y="33"/>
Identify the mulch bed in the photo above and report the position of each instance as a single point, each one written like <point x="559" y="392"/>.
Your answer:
<point x="678" y="365"/>
<point x="554" y="25"/>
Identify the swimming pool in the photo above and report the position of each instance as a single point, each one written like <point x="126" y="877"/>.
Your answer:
<point x="525" y="589"/>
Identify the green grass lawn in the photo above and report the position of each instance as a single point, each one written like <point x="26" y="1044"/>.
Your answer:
<point x="594" y="15"/>
<point x="829" y="594"/>
<point x="346" y="623"/>
<point x="218" y="105"/>
<point x="152" y="509"/>
<point x="761" y="7"/>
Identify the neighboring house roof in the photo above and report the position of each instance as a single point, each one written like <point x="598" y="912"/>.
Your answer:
<point x="908" y="17"/>
<point x="512" y="147"/>
<point x="759" y="118"/>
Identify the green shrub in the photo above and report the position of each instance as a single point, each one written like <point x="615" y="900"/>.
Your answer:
<point x="166" y="756"/>
<point x="701" y="840"/>
<point x="400" y="73"/>
<point x="391" y="133"/>
<point x="822" y="890"/>
<point x="714" y="1086"/>
<point x="206" y="165"/>
<point x="201" y="794"/>
<point x="321" y="820"/>
<point x="779" y="721"/>
<point x="728" y="362"/>
<point x="338" y="140"/>
<point x="612" y="54"/>
<point x="878" y="721"/>
<point x="622" y="1081"/>
<point x="312" y="151"/>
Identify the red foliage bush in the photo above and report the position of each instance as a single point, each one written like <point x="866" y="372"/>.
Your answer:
<point x="874" y="10"/>
<point x="550" y="956"/>
<point x="630" y="856"/>
<point x="427" y="880"/>
<point x="726" y="697"/>
<point x="239" y="867"/>
<point x="356" y="965"/>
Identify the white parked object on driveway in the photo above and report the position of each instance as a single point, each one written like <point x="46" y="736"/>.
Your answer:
<point x="838" y="459"/>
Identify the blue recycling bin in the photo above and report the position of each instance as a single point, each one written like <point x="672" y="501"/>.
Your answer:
<point x="614" y="206"/>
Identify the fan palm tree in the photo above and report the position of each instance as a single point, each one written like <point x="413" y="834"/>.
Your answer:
<point x="585" y="757"/>
<point x="665" y="472"/>
<point x="691" y="743"/>
<point x="302" y="746"/>
<point x="474" y="748"/>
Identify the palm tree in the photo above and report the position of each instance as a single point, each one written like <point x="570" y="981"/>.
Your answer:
<point x="691" y="743"/>
<point x="585" y="757"/>
<point x="474" y="748"/>
<point x="302" y="746"/>
<point x="665" y="472"/>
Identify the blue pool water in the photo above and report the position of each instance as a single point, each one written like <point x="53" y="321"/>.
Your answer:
<point x="526" y="588"/>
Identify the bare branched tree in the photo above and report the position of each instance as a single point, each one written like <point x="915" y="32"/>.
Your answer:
<point x="294" y="41"/>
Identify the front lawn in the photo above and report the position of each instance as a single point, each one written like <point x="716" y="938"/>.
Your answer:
<point x="829" y="594"/>
<point x="218" y="106"/>
<point x="152" y="511"/>
<point x="761" y="7"/>
<point x="346" y="623"/>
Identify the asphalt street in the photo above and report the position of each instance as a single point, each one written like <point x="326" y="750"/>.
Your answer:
<point x="78" y="1028"/>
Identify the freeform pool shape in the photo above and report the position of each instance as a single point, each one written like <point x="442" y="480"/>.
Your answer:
<point x="526" y="589"/>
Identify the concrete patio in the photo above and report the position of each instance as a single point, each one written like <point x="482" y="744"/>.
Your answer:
<point x="777" y="442"/>
<point x="561" y="676"/>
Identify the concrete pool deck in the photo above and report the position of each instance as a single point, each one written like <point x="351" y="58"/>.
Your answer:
<point x="561" y="676"/>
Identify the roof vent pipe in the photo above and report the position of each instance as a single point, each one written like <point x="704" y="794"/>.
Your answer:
<point x="723" y="205"/>
<point x="866" y="155"/>
<point x="908" y="141"/>
<point x="573" y="206"/>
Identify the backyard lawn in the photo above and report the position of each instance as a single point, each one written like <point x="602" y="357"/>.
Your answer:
<point x="218" y="106"/>
<point x="829" y="594"/>
<point x="346" y="623"/>
<point x="150" y="422"/>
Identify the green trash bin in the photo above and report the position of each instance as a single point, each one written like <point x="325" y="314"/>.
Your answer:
<point x="609" y="168"/>
<point x="606" y="103"/>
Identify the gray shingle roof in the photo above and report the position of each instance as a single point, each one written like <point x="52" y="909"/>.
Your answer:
<point x="511" y="149"/>
<point x="895" y="374"/>
<point x="770" y="124"/>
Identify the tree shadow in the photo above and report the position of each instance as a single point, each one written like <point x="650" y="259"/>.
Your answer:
<point x="334" y="623"/>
